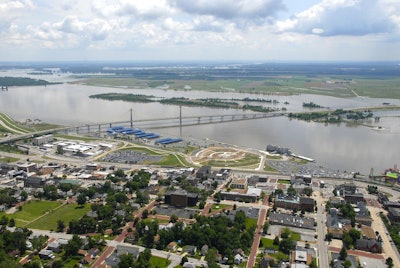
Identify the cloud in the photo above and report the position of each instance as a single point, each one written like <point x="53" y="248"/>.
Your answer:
<point x="344" y="17"/>
<point x="228" y="10"/>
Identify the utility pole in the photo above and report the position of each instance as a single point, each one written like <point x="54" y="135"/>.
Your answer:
<point x="180" y="120"/>
<point x="131" y="118"/>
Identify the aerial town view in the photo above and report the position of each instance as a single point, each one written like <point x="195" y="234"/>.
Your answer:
<point x="168" y="134"/>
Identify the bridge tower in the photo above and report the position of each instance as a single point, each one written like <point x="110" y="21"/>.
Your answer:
<point x="131" y="118"/>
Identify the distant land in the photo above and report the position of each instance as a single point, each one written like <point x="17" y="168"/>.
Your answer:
<point x="344" y="80"/>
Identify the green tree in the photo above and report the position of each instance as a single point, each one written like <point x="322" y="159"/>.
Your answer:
<point x="11" y="223"/>
<point x="291" y="190"/>
<point x="211" y="256"/>
<point x="265" y="227"/>
<point x="81" y="199"/>
<point x="173" y="218"/>
<point x="307" y="191"/>
<point x="74" y="244"/>
<point x="126" y="261"/>
<point x="389" y="262"/>
<point x="57" y="264"/>
<point x="347" y="263"/>
<point x="183" y="260"/>
<point x="24" y="195"/>
<point x="343" y="253"/>
<point x="38" y="242"/>
<point x="60" y="226"/>
<point x="286" y="245"/>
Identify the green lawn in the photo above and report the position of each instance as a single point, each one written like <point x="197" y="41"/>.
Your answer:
<point x="32" y="210"/>
<point x="8" y="159"/>
<point x="284" y="181"/>
<point x="269" y="243"/>
<point x="77" y="138"/>
<point x="65" y="213"/>
<point x="159" y="262"/>
<point x="251" y="222"/>
<point x="296" y="236"/>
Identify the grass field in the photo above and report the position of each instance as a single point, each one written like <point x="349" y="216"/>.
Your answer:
<point x="269" y="243"/>
<point x="33" y="210"/>
<point x="45" y="214"/>
<point x="8" y="159"/>
<point x="284" y="181"/>
<point x="159" y="262"/>
<point x="342" y="86"/>
<point x="65" y="213"/>
<point x="249" y="160"/>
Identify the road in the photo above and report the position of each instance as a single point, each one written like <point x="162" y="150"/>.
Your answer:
<point x="257" y="235"/>
<point x="321" y="231"/>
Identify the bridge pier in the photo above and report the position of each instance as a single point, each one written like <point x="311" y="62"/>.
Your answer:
<point x="88" y="128"/>
<point x="222" y="118"/>
<point x="198" y="120"/>
<point x="77" y="129"/>
<point x="211" y="119"/>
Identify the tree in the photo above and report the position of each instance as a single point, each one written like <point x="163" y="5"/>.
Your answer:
<point x="60" y="226"/>
<point x="307" y="191"/>
<point x="291" y="190"/>
<point x="57" y="264"/>
<point x="347" y="263"/>
<point x="73" y="246"/>
<point x="24" y="195"/>
<point x="126" y="261"/>
<point x="145" y="214"/>
<point x="265" y="227"/>
<point x="286" y="245"/>
<point x="183" y="260"/>
<point x="343" y="253"/>
<point x="173" y="218"/>
<point x="81" y="199"/>
<point x="276" y="241"/>
<point x="389" y="262"/>
<point x="211" y="256"/>
<point x="38" y="242"/>
<point x="11" y="223"/>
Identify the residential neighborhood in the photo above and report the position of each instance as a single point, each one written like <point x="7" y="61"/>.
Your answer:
<point x="119" y="214"/>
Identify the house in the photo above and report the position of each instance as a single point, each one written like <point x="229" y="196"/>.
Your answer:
<point x="354" y="198"/>
<point x="54" y="246"/>
<point x="238" y="259"/>
<point x="172" y="246"/>
<point x="34" y="182"/>
<point x="86" y="260"/>
<point x="367" y="232"/>
<point x="307" y="204"/>
<point x="46" y="254"/>
<point x="370" y="245"/>
<point x="191" y="249"/>
<point x="122" y="249"/>
<point x="203" y="172"/>
<point x="203" y="250"/>
<point x="189" y="265"/>
<point x="265" y="260"/>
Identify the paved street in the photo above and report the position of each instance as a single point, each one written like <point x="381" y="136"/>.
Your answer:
<point x="323" y="260"/>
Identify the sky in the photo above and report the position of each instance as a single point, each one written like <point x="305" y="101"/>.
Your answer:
<point x="207" y="30"/>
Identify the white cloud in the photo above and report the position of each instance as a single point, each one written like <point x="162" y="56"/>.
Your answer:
<point x="199" y="29"/>
<point x="226" y="9"/>
<point x="343" y="17"/>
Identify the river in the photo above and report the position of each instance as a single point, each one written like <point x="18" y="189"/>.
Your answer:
<point x="337" y="146"/>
